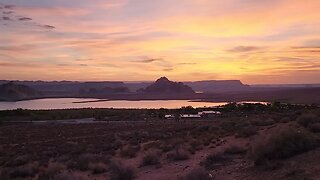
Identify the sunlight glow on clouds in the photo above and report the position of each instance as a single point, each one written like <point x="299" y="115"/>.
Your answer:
<point x="275" y="41"/>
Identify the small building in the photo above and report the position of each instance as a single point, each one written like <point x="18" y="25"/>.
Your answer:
<point x="207" y="114"/>
<point x="190" y="116"/>
<point x="169" y="116"/>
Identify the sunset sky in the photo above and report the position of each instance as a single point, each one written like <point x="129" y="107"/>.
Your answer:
<point x="256" y="41"/>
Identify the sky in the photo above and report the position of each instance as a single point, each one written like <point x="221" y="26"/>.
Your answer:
<point x="257" y="42"/>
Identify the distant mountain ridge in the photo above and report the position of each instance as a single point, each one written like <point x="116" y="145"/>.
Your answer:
<point x="218" y="85"/>
<point x="14" y="92"/>
<point x="104" y="90"/>
<point x="163" y="85"/>
<point x="162" y="89"/>
<point x="73" y="88"/>
<point x="286" y="85"/>
<point x="66" y="86"/>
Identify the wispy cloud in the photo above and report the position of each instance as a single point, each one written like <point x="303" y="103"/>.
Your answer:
<point x="149" y="60"/>
<point x="16" y="19"/>
<point x="240" y="49"/>
<point x="189" y="40"/>
<point x="25" y="19"/>
<point x="5" y="18"/>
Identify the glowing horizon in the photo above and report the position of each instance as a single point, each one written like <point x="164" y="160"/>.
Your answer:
<point x="257" y="42"/>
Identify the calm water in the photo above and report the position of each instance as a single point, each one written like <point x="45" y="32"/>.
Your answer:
<point x="65" y="103"/>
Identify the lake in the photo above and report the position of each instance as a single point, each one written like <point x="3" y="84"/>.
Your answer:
<point x="67" y="103"/>
<point x="70" y="103"/>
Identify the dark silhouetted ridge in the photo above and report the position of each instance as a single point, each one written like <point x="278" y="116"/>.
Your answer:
<point x="163" y="85"/>
<point x="14" y="92"/>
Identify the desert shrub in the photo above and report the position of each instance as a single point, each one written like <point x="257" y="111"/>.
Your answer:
<point x="284" y="144"/>
<point x="198" y="174"/>
<point x="203" y="128"/>
<point x="247" y="131"/>
<point x="129" y="151"/>
<point x="194" y="146"/>
<point x="206" y="140"/>
<point x="20" y="160"/>
<point x="116" y="144"/>
<point x="308" y="119"/>
<point x="52" y="170"/>
<point x="4" y="173"/>
<point x="97" y="168"/>
<point x="178" y="154"/>
<point x="24" y="171"/>
<point x="314" y="127"/>
<point x="68" y="176"/>
<point x="296" y="174"/>
<point x="263" y="122"/>
<point x="172" y="144"/>
<point x="285" y="119"/>
<point x="151" y="158"/>
<point x="228" y="126"/>
<point x="166" y="147"/>
<point x="82" y="163"/>
<point x="121" y="172"/>
<point x="134" y="140"/>
<point x="153" y="144"/>
<point x="235" y="149"/>
<point x="214" y="160"/>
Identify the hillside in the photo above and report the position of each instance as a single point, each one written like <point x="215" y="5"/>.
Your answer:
<point x="14" y="92"/>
